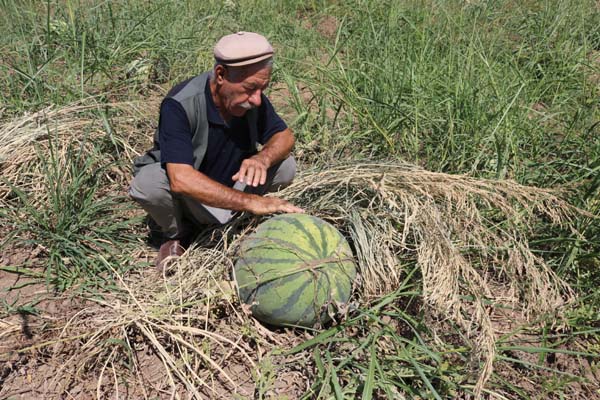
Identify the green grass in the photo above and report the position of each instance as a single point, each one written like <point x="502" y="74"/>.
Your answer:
<point x="76" y="223"/>
<point x="368" y="357"/>
<point x="498" y="89"/>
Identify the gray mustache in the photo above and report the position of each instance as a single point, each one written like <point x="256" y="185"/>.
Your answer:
<point x="246" y="106"/>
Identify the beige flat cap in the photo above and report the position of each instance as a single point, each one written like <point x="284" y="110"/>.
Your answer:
<point x="242" y="48"/>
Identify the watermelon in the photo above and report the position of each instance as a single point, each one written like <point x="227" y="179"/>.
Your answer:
<point x="294" y="270"/>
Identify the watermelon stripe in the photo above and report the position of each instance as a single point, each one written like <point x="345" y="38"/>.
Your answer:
<point x="276" y="244"/>
<point x="343" y="274"/>
<point x="257" y="261"/>
<point x="341" y="289"/>
<point x="279" y="273"/>
<point x="300" y="265"/>
<point x="291" y="301"/>
<point x="328" y="287"/>
<point x="271" y="274"/>
<point x="264" y="269"/>
<point x="308" y="315"/>
<point x="310" y="264"/>
<point x="281" y="280"/>
<point x="322" y="246"/>
<point x="247" y="295"/>
<point x="314" y="245"/>
<point x="322" y="303"/>
<point x="324" y="242"/>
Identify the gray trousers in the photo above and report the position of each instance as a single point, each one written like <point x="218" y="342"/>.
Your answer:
<point x="176" y="214"/>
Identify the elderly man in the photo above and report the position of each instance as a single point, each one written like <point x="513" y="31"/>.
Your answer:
<point x="205" y="164"/>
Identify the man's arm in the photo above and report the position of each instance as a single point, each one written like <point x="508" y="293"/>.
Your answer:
<point x="185" y="180"/>
<point x="253" y="170"/>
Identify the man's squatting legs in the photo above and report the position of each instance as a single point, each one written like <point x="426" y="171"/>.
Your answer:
<point x="151" y="189"/>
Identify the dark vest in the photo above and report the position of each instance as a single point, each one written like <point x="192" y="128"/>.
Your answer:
<point x="193" y="100"/>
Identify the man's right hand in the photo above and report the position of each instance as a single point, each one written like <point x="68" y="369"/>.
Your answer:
<point x="270" y="205"/>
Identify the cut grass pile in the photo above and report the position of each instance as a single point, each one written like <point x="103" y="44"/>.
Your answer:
<point x="452" y="119"/>
<point x="102" y="132"/>
<point x="467" y="238"/>
<point x="431" y="220"/>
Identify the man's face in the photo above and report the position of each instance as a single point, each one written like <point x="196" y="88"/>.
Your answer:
<point x="239" y="90"/>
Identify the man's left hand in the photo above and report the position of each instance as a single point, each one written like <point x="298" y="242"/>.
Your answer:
<point x="253" y="171"/>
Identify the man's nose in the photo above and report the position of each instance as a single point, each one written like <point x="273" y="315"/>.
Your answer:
<point x="255" y="98"/>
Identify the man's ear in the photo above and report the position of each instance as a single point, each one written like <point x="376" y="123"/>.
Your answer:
<point x="220" y="73"/>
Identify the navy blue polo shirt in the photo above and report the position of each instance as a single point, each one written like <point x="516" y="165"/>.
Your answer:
<point x="228" y="143"/>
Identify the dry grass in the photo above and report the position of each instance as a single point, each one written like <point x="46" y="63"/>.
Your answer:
<point x="85" y="123"/>
<point x="469" y="237"/>
<point x="180" y="335"/>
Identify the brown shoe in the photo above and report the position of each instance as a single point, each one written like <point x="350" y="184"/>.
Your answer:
<point x="169" y="250"/>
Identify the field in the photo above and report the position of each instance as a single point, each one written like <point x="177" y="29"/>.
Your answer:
<point x="456" y="145"/>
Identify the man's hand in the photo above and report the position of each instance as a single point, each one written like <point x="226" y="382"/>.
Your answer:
<point x="271" y="205"/>
<point x="253" y="171"/>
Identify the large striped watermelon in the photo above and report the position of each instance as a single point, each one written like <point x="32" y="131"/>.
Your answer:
<point x="293" y="269"/>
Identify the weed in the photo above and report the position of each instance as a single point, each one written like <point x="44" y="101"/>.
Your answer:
<point x="75" y="223"/>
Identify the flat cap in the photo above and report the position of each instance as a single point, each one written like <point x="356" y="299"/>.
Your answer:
<point x="242" y="48"/>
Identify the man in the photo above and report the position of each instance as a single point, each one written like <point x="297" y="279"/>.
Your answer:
<point x="205" y="164"/>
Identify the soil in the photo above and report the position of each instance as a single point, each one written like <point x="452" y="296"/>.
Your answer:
<point x="41" y="357"/>
<point x="513" y="328"/>
<point x="328" y="26"/>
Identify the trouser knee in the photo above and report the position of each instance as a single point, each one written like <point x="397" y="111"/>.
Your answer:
<point x="151" y="190"/>
<point x="284" y="174"/>
<point x="147" y="187"/>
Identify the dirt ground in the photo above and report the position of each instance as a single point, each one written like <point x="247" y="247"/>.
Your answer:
<point x="35" y="362"/>
<point x="39" y="357"/>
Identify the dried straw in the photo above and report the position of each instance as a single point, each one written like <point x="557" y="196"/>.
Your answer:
<point x="83" y="123"/>
<point x="468" y="236"/>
